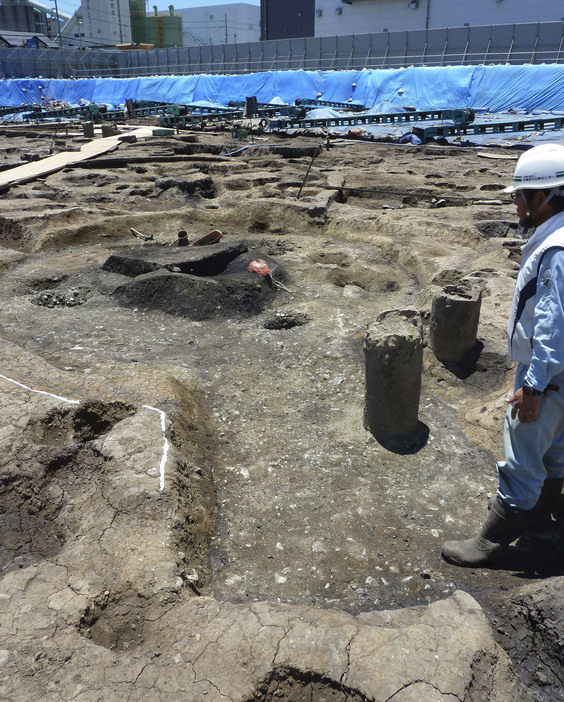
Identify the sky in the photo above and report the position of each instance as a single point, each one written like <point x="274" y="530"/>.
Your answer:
<point x="69" y="6"/>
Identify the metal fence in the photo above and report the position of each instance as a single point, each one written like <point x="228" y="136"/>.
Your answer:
<point x="533" y="43"/>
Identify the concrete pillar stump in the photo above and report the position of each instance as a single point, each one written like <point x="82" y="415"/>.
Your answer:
<point x="455" y="315"/>
<point x="88" y="129"/>
<point x="109" y="130"/>
<point x="393" y="349"/>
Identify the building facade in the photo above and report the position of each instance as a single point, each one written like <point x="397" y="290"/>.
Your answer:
<point x="286" y="19"/>
<point x="32" y="19"/>
<point x="23" y="17"/>
<point x="161" y="29"/>
<point x="105" y="22"/>
<point x="220" y="24"/>
<point x="338" y="17"/>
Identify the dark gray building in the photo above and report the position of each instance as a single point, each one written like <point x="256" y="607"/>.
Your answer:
<point x="286" y="19"/>
<point x="22" y="17"/>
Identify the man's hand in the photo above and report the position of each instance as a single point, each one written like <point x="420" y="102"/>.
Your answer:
<point x="526" y="407"/>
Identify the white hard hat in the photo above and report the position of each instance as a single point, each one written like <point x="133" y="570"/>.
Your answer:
<point x="539" y="168"/>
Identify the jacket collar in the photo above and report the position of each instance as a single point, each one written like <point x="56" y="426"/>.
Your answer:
<point x="543" y="231"/>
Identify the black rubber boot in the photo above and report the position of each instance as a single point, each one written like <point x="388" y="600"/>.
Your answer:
<point x="547" y="505"/>
<point x="503" y="525"/>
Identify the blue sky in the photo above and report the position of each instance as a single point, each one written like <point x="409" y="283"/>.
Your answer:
<point x="69" y="6"/>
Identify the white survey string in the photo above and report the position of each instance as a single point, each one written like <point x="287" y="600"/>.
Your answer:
<point x="165" y="445"/>
<point x="40" y="392"/>
<point x="164" y="456"/>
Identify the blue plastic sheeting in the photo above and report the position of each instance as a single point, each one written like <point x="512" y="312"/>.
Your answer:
<point x="491" y="88"/>
<point x="71" y="91"/>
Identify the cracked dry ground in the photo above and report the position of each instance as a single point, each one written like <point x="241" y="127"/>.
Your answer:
<point x="263" y="560"/>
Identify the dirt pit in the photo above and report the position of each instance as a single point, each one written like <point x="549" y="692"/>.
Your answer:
<point x="301" y="504"/>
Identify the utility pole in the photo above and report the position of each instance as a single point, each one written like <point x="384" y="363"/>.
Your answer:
<point x="58" y="25"/>
<point x="225" y="27"/>
<point x="119" y="21"/>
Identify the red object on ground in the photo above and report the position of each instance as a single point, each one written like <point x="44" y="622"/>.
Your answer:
<point x="211" y="238"/>
<point x="259" y="266"/>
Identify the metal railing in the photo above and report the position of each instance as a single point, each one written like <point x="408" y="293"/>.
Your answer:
<point x="497" y="44"/>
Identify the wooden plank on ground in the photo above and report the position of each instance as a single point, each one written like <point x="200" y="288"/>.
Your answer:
<point x="37" y="169"/>
<point x="494" y="155"/>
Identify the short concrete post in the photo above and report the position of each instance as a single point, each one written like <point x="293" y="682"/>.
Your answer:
<point x="88" y="129"/>
<point x="455" y="314"/>
<point x="109" y="130"/>
<point x="393" y="349"/>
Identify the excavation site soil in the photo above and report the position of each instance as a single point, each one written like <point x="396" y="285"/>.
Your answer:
<point x="235" y="399"/>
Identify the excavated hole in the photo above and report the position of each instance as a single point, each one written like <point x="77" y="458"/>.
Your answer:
<point x="340" y="269"/>
<point x="32" y="527"/>
<point x="292" y="153"/>
<point x="448" y="276"/>
<point x="115" y="624"/>
<point x="30" y="531"/>
<point x="12" y="232"/>
<point x="492" y="187"/>
<point x="369" y="279"/>
<point x="378" y="201"/>
<point x="77" y="423"/>
<point x="388" y="199"/>
<point x="48" y="282"/>
<point x="96" y="418"/>
<point x="290" y="685"/>
<point x="52" y="429"/>
<point x="54" y="464"/>
<point x="285" y="320"/>
<point x="336" y="258"/>
<point x="270" y="246"/>
<point x="258" y="226"/>
<point x="497" y="228"/>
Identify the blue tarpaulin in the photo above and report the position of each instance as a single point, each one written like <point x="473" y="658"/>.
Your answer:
<point x="484" y="88"/>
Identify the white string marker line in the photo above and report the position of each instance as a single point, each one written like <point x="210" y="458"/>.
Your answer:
<point x="77" y="402"/>
<point x="165" y="446"/>
<point x="40" y="392"/>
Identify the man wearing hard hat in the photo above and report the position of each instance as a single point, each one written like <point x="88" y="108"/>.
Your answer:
<point x="532" y="475"/>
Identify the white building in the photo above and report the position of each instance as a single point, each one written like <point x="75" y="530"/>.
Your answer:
<point x="220" y="24"/>
<point x="338" y="17"/>
<point x="105" y="22"/>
